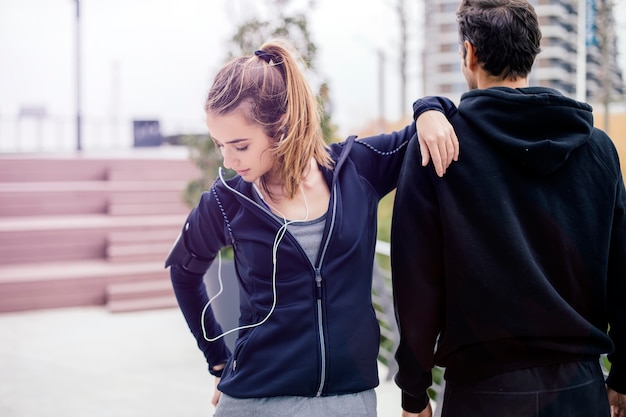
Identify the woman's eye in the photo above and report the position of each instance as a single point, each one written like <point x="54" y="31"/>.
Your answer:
<point x="241" y="148"/>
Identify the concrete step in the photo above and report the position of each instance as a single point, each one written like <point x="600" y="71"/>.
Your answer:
<point x="165" y="235"/>
<point x="141" y="304"/>
<point x="163" y="201"/>
<point x="32" y="247"/>
<point x="143" y="209"/>
<point x="139" y="252"/>
<point x="69" y="238"/>
<point x="27" y="168"/>
<point x="161" y="195"/>
<point x="52" y="203"/>
<point x="152" y="170"/>
<point x="59" y="284"/>
<point x="135" y="166"/>
<point x="134" y="296"/>
<point x="138" y="246"/>
<point x="91" y="197"/>
<point x="72" y="226"/>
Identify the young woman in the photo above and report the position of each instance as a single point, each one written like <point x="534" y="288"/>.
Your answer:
<point x="301" y="217"/>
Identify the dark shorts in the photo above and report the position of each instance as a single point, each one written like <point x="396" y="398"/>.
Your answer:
<point x="566" y="390"/>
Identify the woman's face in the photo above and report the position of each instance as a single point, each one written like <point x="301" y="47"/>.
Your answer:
<point x="244" y="146"/>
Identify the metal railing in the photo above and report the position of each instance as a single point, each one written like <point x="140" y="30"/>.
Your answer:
<point x="42" y="132"/>
<point x="382" y="296"/>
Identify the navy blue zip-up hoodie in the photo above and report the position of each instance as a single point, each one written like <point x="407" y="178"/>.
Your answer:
<point x="517" y="257"/>
<point x="323" y="336"/>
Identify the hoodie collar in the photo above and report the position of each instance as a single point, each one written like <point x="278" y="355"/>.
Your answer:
<point x="537" y="127"/>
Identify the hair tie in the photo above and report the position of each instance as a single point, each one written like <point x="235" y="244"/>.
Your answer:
<point x="266" y="56"/>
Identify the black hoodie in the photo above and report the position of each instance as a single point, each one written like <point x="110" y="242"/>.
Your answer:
<point x="517" y="256"/>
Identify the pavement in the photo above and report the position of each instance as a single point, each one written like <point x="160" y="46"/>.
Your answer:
<point x="77" y="362"/>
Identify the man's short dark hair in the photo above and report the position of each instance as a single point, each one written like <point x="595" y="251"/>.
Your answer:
<point x="504" y="33"/>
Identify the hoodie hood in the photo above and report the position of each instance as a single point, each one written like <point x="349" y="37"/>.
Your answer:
<point x="538" y="128"/>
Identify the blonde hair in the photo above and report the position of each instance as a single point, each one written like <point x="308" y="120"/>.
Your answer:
<point x="272" y="91"/>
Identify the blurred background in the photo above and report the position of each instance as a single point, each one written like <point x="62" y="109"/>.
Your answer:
<point x="154" y="60"/>
<point x="103" y="150"/>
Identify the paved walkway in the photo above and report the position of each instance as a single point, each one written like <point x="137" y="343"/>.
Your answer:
<point x="88" y="362"/>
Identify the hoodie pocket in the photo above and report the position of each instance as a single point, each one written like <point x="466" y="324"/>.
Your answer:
<point x="240" y="349"/>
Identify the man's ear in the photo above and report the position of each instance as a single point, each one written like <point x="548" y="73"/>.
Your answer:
<point x="471" y="61"/>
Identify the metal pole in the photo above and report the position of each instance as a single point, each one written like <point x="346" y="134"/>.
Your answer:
<point x="381" y="89"/>
<point x="78" y="76"/>
<point x="581" y="65"/>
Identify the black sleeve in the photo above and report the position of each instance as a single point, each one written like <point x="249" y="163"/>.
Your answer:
<point x="416" y="259"/>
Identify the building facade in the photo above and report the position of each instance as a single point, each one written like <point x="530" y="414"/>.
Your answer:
<point x="556" y="66"/>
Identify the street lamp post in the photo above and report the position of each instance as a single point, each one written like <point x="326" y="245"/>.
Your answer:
<point x="78" y="79"/>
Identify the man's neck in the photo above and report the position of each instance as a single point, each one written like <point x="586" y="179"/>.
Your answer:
<point x="489" y="81"/>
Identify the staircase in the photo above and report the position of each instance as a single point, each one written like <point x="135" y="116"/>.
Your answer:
<point x="79" y="231"/>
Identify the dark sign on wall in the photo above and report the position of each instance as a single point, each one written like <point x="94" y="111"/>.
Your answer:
<point x="147" y="133"/>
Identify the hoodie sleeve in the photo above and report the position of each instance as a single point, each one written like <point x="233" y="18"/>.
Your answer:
<point x="385" y="152"/>
<point x="193" y="253"/>
<point x="379" y="158"/>
<point x="442" y="104"/>
<point x="417" y="276"/>
<point x="616" y="288"/>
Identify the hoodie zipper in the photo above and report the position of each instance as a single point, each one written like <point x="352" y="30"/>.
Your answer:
<point x="320" y="330"/>
<point x="319" y="295"/>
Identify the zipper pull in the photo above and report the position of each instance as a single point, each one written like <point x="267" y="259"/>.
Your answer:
<point x="234" y="365"/>
<point x="318" y="283"/>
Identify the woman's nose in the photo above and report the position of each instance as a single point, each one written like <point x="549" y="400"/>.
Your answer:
<point x="229" y="160"/>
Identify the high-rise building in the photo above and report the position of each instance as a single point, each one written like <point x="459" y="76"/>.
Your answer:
<point x="556" y="66"/>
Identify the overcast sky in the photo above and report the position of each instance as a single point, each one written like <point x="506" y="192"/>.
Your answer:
<point x="154" y="59"/>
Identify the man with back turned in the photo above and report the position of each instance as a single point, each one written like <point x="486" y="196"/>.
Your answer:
<point x="510" y="271"/>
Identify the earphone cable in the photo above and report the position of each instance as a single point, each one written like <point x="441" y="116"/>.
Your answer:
<point x="277" y="239"/>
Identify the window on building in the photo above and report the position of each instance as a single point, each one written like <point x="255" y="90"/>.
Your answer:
<point x="449" y="47"/>
<point x="448" y="7"/>
<point x="447" y="27"/>
<point x="448" y="67"/>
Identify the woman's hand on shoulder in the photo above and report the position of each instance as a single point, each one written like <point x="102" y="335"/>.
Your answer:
<point x="437" y="140"/>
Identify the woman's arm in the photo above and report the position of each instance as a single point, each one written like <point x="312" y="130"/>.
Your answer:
<point x="382" y="155"/>
<point x="190" y="258"/>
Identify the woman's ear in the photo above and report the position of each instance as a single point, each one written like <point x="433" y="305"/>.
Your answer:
<point x="282" y="130"/>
